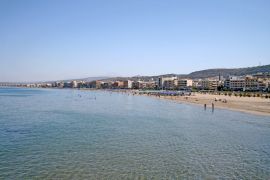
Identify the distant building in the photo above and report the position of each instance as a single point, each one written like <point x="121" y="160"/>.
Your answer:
<point x="106" y="85"/>
<point x="184" y="83"/>
<point x="127" y="84"/>
<point x="169" y="84"/>
<point x="151" y="85"/>
<point x="57" y="84"/>
<point x="144" y="85"/>
<point x="248" y="83"/>
<point x="209" y="84"/>
<point x="95" y="84"/>
<point x="74" y="84"/>
<point x="235" y="83"/>
<point x="81" y="84"/>
<point x="262" y="75"/>
<point x="118" y="84"/>
<point x="251" y="83"/>
<point x="262" y="85"/>
<point x="67" y="84"/>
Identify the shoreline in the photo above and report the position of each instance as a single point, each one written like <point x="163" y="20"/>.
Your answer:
<point x="250" y="105"/>
<point x="253" y="105"/>
<point x="248" y="111"/>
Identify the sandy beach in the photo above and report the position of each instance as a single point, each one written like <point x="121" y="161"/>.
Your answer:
<point x="252" y="105"/>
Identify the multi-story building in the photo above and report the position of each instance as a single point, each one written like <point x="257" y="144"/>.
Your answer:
<point x="262" y="75"/>
<point x="184" y="83"/>
<point x="209" y="84"/>
<point x="234" y="83"/>
<point x="251" y="83"/>
<point x="81" y="84"/>
<point x="262" y="85"/>
<point x="170" y="84"/>
<point x="67" y="84"/>
<point x="59" y="84"/>
<point x="94" y="84"/>
<point x="144" y="85"/>
<point x="151" y="85"/>
<point x="127" y="84"/>
<point x="106" y="85"/>
<point x="237" y="84"/>
<point x="118" y="84"/>
<point x="248" y="83"/>
<point x="161" y="81"/>
<point x="74" y="84"/>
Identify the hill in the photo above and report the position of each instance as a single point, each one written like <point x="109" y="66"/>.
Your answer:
<point x="202" y="74"/>
<point x="194" y="75"/>
<point x="226" y="72"/>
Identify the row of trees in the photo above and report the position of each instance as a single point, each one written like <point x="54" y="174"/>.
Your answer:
<point x="242" y="94"/>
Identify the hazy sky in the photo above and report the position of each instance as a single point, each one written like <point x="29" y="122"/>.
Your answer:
<point x="55" y="39"/>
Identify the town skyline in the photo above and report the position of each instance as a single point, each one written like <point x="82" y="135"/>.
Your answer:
<point x="101" y="77"/>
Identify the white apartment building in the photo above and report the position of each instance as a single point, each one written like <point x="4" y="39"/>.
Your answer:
<point x="170" y="80"/>
<point x="249" y="83"/>
<point x="74" y="84"/>
<point x="184" y="83"/>
<point x="128" y="84"/>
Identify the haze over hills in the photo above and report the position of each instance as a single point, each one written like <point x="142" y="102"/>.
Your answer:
<point x="232" y="71"/>
<point x="206" y="73"/>
<point x="66" y="80"/>
<point x="193" y="75"/>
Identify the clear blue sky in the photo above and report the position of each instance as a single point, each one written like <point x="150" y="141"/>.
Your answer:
<point x="55" y="39"/>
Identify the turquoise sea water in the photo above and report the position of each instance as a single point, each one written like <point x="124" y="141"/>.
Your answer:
<point x="72" y="134"/>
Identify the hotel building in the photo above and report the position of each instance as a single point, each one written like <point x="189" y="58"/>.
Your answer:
<point x="167" y="82"/>
<point x="184" y="83"/>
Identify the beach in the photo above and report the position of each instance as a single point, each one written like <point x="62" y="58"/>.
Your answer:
<point x="252" y="105"/>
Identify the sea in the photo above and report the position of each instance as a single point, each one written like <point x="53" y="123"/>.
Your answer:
<point x="82" y="134"/>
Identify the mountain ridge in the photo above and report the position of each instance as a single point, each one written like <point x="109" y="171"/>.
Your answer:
<point x="229" y="71"/>
<point x="206" y="73"/>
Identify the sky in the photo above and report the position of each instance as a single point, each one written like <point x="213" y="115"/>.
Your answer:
<point x="61" y="39"/>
